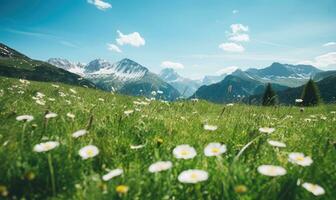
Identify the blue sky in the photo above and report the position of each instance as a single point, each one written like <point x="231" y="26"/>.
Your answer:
<point x="196" y="37"/>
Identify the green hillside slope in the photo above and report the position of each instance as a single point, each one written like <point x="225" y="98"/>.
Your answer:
<point x="15" y="64"/>
<point x="233" y="89"/>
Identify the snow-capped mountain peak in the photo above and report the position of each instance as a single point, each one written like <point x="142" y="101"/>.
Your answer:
<point x="77" y="68"/>
<point x="184" y="85"/>
<point x="96" y="65"/>
<point x="128" y="66"/>
<point x="285" y="71"/>
<point x="169" y="74"/>
<point x="123" y="70"/>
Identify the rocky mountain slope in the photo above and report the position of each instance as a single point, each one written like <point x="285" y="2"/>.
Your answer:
<point x="185" y="86"/>
<point x="126" y="76"/>
<point x="17" y="65"/>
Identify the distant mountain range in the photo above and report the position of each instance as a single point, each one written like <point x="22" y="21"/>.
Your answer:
<point x="131" y="78"/>
<point x="286" y="80"/>
<point x="126" y="76"/>
<point x="283" y="74"/>
<point x="327" y="87"/>
<point x="185" y="86"/>
<point x="125" y="73"/>
<point x="322" y="75"/>
<point x="17" y="65"/>
<point x="233" y="88"/>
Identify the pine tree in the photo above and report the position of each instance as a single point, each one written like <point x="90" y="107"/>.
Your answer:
<point x="269" y="98"/>
<point x="310" y="94"/>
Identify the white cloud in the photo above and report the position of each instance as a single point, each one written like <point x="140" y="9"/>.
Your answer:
<point x="232" y="47"/>
<point x="100" y="4"/>
<point x="227" y="70"/>
<point x="240" y="38"/>
<point x="173" y="65"/>
<point x="113" y="47"/>
<point x="329" y="44"/>
<point x="238" y="28"/>
<point x="235" y="11"/>
<point x="133" y="39"/>
<point x="322" y="61"/>
<point x="239" y="33"/>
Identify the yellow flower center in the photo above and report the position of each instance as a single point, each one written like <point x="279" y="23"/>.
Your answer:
<point x="90" y="152"/>
<point x="122" y="189"/>
<point x="313" y="187"/>
<point x="240" y="189"/>
<point x="271" y="170"/>
<point x="215" y="150"/>
<point x="193" y="176"/>
<point x="300" y="158"/>
<point x="184" y="152"/>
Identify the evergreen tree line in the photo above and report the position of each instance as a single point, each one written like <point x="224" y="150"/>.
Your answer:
<point x="310" y="95"/>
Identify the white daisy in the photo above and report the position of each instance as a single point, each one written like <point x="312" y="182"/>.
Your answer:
<point x="70" y="115"/>
<point x="313" y="188"/>
<point x="288" y="117"/>
<point x="184" y="151"/>
<point x="276" y="143"/>
<point x="214" y="149"/>
<point x="23" y="81"/>
<point x="40" y="102"/>
<point x="62" y="94"/>
<point x="46" y="146"/>
<point x="307" y="120"/>
<point x="128" y="112"/>
<point x="50" y="115"/>
<point x="26" y="118"/>
<point x="271" y="170"/>
<point x="210" y="127"/>
<point x="73" y="91"/>
<point x="230" y="104"/>
<point x="112" y="174"/>
<point x="137" y="146"/>
<point x="40" y="95"/>
<point x="300" y="159"/>
<point x="160" y="166"/>
<point x="266" y="130"/>
<point x="88" y="152"/>
<point x="194" y="100"/>
<point x="298" y="100"/>
<point x="79" y="133"/>
<point x="193" y="176"/>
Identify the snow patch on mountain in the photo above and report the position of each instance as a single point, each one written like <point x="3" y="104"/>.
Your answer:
<point x="184" y="85"/>
<point x="76" y="68"/>
<point x="124" y="70"/>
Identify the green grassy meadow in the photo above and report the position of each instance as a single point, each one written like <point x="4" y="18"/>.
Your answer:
<point x="160" y="127"/>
